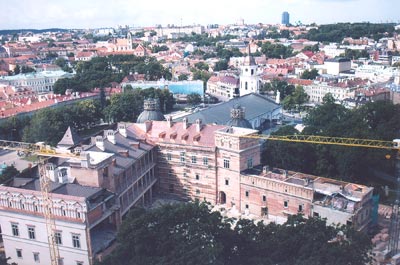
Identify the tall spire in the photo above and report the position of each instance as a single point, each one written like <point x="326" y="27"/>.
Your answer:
<point x="249" y="60"/>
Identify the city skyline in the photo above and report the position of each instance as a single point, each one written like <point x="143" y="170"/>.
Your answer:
<point x="42" y="14"/>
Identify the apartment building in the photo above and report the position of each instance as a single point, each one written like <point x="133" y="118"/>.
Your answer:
<point x="90" y="194"/>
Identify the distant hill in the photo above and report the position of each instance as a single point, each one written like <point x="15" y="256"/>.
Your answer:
<point x="15" y="31"/>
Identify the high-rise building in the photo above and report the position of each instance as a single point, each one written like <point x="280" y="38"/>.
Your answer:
<point x="285" y="18"/>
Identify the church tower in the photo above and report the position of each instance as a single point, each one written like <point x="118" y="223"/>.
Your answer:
<point x="129" y="42"/>
<point x="249" y="79"/>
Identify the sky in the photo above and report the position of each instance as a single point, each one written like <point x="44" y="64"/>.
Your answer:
<point x="40" y="14"/>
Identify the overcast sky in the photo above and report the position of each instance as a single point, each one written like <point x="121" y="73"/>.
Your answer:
<point x="39" y="14"/>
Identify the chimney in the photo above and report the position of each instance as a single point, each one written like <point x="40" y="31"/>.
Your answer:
<point x="122" y="129"/>
<point x="185" y="123"/>
<point x="50" y="168"/>
<point x="85" y="162"/>
<point x="198" y="125"/>
<point x="124" y="153"/>
<point x="169" y="121"/>
<point x="148" y="125"/>
<point x="135" y="144"/>
<point x="100" y="142"/>
<point x="110" y="134"/>
<point x="265" y="169"/>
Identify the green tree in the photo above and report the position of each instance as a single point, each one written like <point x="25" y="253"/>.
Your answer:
<point x="191" y="233"/>
<point x="296" y="99"/>
<point x="183" y="77"/>
<point x="17" y="70"/>
<point x="221" y="65"/>
<point x="309" y="74"/>
<point x="276" y="50"/>
<point x="201" y="66"/>
<point x="193" y="99"/>
<point x="8" y="173"/>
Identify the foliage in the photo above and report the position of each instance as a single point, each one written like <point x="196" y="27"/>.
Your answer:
<point x="101" y="71"/>
<point x="192" y="234"/>
<point x="193" y="99"/>
<point x="61" y="62"/>
<point x="204" y="39"/>
<point x="226" y="54"/>
<point x="377" y="120"/>
<point x="280" y="51"/>
<point x="8" y="173"/>
<point x="49" y="125"/>
<point x="309" y="74"/>
<point x="183" y="77"/>
<point x="201" y="66"/>
<point x="336" y="32"/>
<point x="295" y="99"/>
<point x="356" y="54"/>
<point x="128" y="106"/>
<point x="27" y="69"/>
<point x="279" y="85"/>
<point x="221" y="65"/>
<point x="313" y="48"/>
<point x="159" y="48"/>
<point x="12" y="128"/>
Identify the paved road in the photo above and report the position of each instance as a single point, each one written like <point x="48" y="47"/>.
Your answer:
<point x="11" y="158"/>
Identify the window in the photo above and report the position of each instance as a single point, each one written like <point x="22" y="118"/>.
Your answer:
<point x="197" y="192"/>
<point x="205" y="161"/>
<point x="36" y="257"/>
<point x="63" y="212"/>
<point x="247" y="193"/>
<point x="169" y="156"/>
<point x="249" y="162"/>
<point x="105" y="172"/>
<point x="316" y="214"/>
<point x="285" y="204"/>
<point x="247" y="206"/>
<point x="57" y="237"/>
<point x="227" y="182"/>
<point x="197" y="176"/>
<point x="31" y="232"/>
<point x="194" y="159"/>
<point x="78" y="214"/>
<point x="182" y="156"/>
<point x="60" y="261"/>
<point x="79" y="263"/>
<point x="226" y="163"/>
<point x="15" y="230"/>
<point x="171" y="188"/>
<point x="184" y="175"/>
<point x="300" y="207"/>
<point x="19" y="253"/>
<point x="35" y="207"/>
<point x="264" y="198"/>
<point x="76" y="243"/>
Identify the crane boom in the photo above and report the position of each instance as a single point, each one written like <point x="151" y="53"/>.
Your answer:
<point x="380" y="144"/>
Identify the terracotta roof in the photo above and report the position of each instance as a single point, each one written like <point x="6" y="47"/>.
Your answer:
<point x="177" y="134"/>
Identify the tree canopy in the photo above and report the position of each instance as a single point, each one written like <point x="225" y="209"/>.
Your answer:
<point x="191" y="233"/>
<point x="377" y="120"/>
<point x="127" y="106"/>
<point x="276" y="50"/>
<point x="101" y="71"/>
<point x="336" y="32"/>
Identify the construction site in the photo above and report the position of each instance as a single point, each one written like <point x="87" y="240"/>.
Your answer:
<point x="69" y="209"/>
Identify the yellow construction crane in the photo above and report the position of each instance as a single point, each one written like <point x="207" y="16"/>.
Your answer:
<point x="43" y="150"/>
